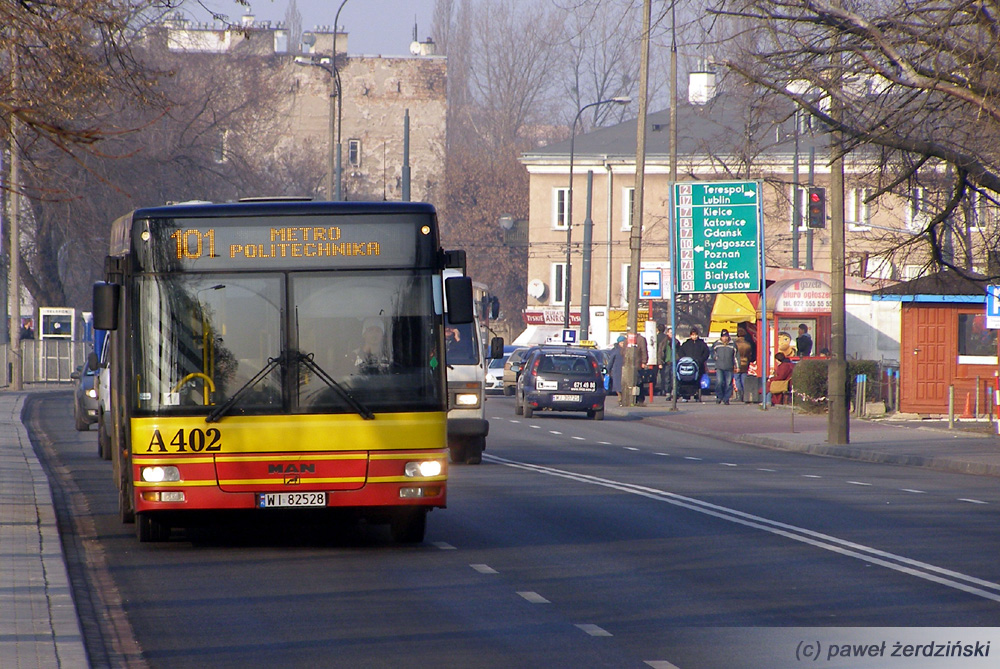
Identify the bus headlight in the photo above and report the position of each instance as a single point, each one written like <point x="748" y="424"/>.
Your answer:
<point x="467" y="400"/>
<point x="160" y="474"/>
<point x="426" y="468"/>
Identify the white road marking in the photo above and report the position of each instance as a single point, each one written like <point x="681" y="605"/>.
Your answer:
<point x="858" y="483"/>
<point x="594" y="630"/>
<point x="604" y="443"/>
<point x="630" y="448"/>
<point x="579" y="438"/>
<point x="923" y="570"/>
<point x="661" y="664"/>
<point x="919" y="492"/>
<point x="666" y="455"/>
<point x="535" y="427"/>
<point x="534" y="598"/>
<point x="811" y="476"/>
<point x="972" y="501"/>
<point x="729" y="464"/>
<point x="554" y="432"/>
<point x="484" y="569"/>
<point x="688" y="457"/>
<point x="763" y="469"/>
<point x="444" y="545"/>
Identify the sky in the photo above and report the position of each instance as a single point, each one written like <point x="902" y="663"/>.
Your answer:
<point x="374" y="27"/>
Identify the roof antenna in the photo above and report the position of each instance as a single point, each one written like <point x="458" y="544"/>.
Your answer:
<point x="414" y="27"/>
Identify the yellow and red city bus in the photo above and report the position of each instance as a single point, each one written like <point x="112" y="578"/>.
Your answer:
<point x="275" y="356"/>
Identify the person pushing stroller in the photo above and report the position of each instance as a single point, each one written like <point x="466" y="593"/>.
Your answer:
<point x="698" y="352"/>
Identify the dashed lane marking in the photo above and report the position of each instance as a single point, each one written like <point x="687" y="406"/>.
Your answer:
<point x="811" y="476"/>
<point x="534" y="598"/>
<point x="918" y="492"/>
<point x="665" y="455"/>
<point x="594" y="630"/>
<point x="554" y="432"/>
<point x="630" y="448"/>
<point x="443" y="545"/>
<point x="859" y="483"/>
<point x="729" y="464"/>
<point x="484" y="569"/>
<point x="691" y="457"/>
<point x="579" y="438"/>
<point x="765" y="469"/>
<point x="972" y="501"/>
<point x="604" y="443"/>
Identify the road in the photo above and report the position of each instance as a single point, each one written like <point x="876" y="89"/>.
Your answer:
<point x="576" y="544"/>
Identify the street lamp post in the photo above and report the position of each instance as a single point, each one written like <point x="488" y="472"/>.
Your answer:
<point x="568" y="282"/>
<point x="334" y="178"/>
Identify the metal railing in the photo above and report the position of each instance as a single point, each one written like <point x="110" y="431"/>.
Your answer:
<point x="45" y="360"/>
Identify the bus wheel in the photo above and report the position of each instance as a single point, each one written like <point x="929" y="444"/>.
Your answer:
<point x="408" y="525"/>
<point x="148" y="528"/>
<point x="474" y="450"/>
<point x="457" y="449"/>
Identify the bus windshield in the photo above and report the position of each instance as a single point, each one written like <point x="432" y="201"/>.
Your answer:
<point x="303" y="342"/>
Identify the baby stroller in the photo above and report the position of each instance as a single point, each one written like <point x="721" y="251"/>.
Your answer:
<point x="688" y="379"/>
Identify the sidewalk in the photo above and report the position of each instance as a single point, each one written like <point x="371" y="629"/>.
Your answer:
<point x="38" y="619"/>
<point x="909" y="442"/>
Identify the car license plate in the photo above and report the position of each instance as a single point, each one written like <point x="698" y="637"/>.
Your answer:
<point x="565" y="398"/>
<point x="290" y="499"/>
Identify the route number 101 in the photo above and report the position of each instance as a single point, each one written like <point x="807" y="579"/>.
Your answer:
<point x="190" y="244"/>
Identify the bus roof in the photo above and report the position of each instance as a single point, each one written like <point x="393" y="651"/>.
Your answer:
<point x="279" y="208"/>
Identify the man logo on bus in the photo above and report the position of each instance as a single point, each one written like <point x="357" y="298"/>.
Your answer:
<point x="292" y="468"/>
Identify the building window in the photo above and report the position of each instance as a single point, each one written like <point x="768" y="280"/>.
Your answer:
<point x="803" y="208"/>
<point x="628" y="206"/>
<point x="558" y="282"/>
<point x="859" y="216"/>
<point x="911" y="272"/>
<point x="916" y="210"/>
<point x="626" y="276"/>
<point x="974" y="339"/>
<point x="980" y="210"/>
<point x="560" y="196"/>
<point x="354" y="152"/>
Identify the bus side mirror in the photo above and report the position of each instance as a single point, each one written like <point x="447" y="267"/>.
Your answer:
<point x="106" y="300"/>
<point x="458" y="292"/>
<point x="496" y="348"/>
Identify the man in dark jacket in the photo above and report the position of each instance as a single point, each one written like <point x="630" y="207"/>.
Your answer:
<point x="727" y="363"/>
<point x="804" y="343"/>
<point x="697" y="349"/>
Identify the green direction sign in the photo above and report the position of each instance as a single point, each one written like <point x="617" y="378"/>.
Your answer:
<point x="717" y="236"/>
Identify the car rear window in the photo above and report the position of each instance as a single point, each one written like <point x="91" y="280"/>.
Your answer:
<point x="566" y="363"/>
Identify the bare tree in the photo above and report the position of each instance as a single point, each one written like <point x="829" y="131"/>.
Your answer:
<point x="918" y="86"/>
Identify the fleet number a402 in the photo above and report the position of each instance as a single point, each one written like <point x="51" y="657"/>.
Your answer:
<point x="193" y="440"/>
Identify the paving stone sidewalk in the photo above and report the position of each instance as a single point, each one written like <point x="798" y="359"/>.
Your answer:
<point x="38" y="620"/>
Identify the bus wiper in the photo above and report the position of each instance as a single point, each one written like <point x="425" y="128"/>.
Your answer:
<point x="221" y="410"/>
<point x="307" y="360"/>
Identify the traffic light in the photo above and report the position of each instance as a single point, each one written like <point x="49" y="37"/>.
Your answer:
<point x="817" y="208"/>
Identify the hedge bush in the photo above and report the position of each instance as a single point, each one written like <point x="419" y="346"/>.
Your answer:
<point x="809" y="381"/>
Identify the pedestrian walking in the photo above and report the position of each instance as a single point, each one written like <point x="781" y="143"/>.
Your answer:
<point x="614" y="362"/>
<point x="747" y="348"/>
<point x="641" y="364"/>
<point x="665" y="359"/>
<point x="727" y="363"/>
<point x="696" y="349"/>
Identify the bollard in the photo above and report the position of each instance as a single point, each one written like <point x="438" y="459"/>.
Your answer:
<point x="951" y="407"/>
<point x="977" y="397"/>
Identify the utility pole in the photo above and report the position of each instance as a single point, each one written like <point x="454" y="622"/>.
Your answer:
<point x="796" y="195"/>
<point x="671" y="242"/>
<point x="838" y="418"/>
<point x="629" y="380"/>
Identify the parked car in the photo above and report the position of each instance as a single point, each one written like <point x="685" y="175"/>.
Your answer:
<point x="561" y="378"/>
<point x="84" y="398"/>
<point x="494" y="374"/>
<point x="512" y="369"/>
